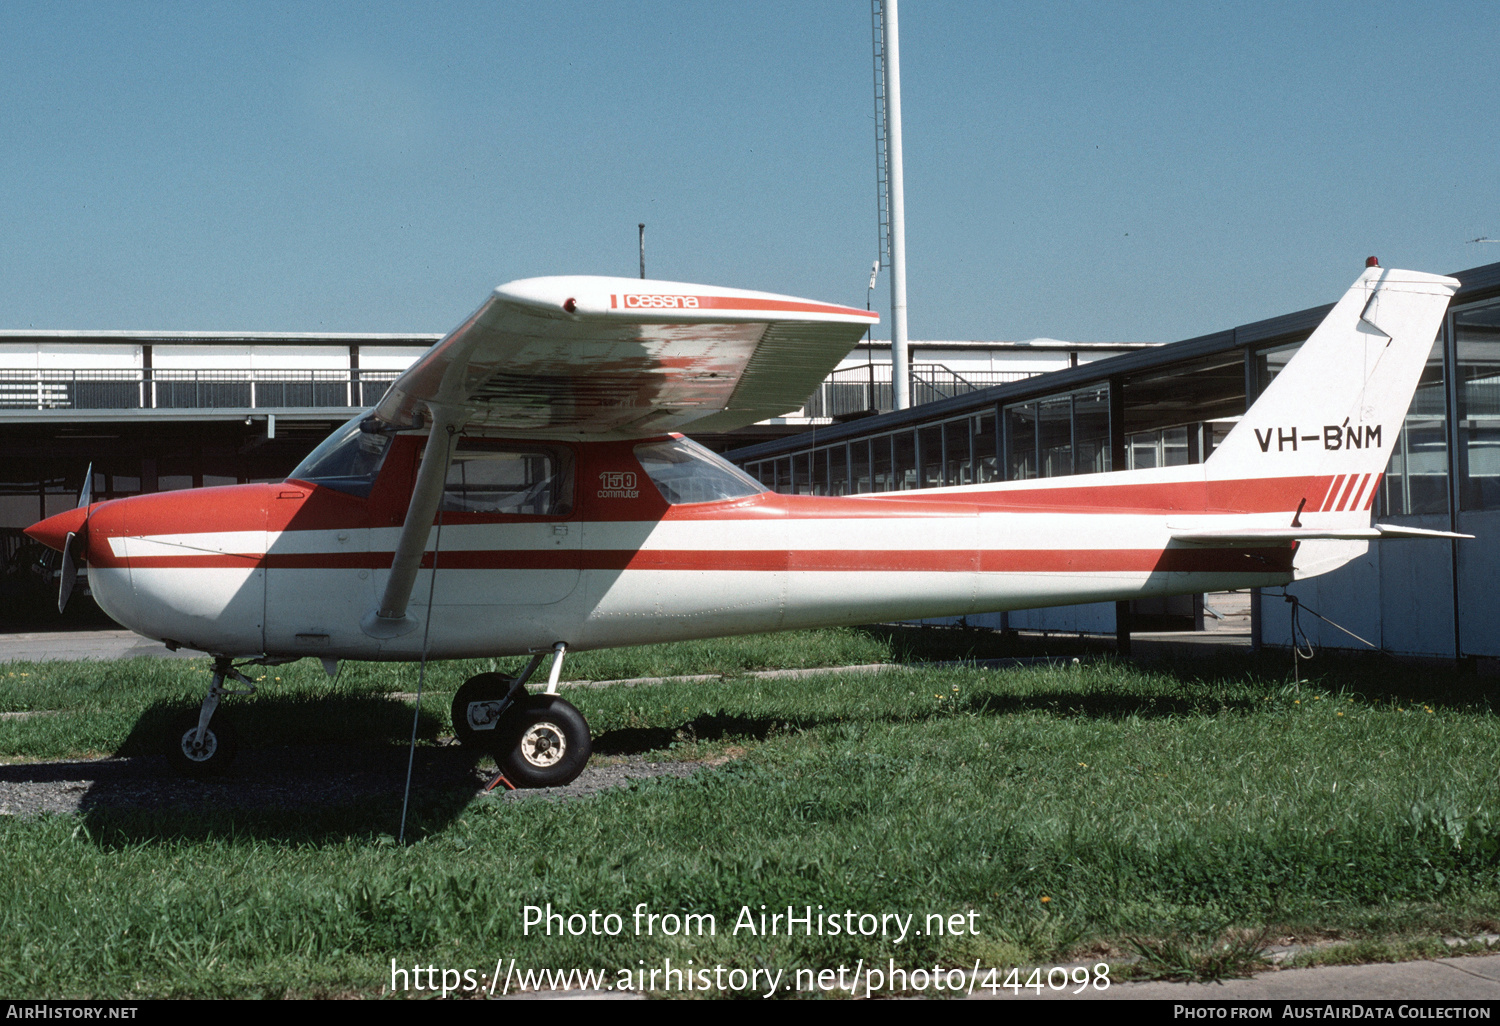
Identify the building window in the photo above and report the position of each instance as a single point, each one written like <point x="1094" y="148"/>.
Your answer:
<point x="904" y="458"/>
<point x="1055" y="435"/>
<point x="1091" y="431"/>
<point x="930" y="439"/>
<point x="838" y="470"/>
<point x="1476" y="333"/>
<point x="958" y="454"/>
<point x="859" y="466"/>
<point x="986" y="449"/>
<point x="1416" y="480"/>
<point x="1058" y="435"/>
<point x="1168" y="447"/>
<point x="880" y="460"/>
<point x="1020" y="442"/>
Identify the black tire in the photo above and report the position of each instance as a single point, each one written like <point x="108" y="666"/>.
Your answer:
<point x="547" y="742"/>
<point x="482" y="687"/>
<point x="216" y="753"/>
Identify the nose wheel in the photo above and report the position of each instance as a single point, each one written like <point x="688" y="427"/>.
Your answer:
<point x="195" y="756"/>
<point x="197" y="744"/>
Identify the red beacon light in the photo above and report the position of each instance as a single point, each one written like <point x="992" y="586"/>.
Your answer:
<point x="1372" y="261"/>
<point x="571" y="305"/>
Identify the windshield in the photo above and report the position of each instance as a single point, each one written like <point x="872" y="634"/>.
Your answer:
<point x="685" y="472"/>
<point x="347" y="461"/>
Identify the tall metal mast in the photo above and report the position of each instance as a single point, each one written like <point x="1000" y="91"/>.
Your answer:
<point x="890" y="199"/>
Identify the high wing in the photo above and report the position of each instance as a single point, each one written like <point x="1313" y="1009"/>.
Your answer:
<point x="586" y="357"/>
<point x="601" y="358"/>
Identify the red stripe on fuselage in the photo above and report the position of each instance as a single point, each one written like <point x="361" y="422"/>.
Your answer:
<point x="1187" y="559"/>
<point x="306" y="507"/>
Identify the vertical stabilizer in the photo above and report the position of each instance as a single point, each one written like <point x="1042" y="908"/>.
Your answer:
<point x="1332" y="415"/>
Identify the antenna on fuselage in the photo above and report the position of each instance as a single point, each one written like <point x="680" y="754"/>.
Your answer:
<point x="643" y="251"/>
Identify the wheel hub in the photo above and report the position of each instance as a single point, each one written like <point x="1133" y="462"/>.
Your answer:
<point x="199" y="752"/>
<point x="543" y="745"/>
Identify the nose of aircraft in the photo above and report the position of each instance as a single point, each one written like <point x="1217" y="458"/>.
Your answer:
<point x="53" y="532"/>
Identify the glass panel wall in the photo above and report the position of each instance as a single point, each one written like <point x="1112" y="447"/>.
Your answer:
<point x="1091" y="431"/>
<point x="1058" y="435"/>
<point x="1416" y="480"/>
<point x="820" y="472"/>
<point x="1271" y="362"/>
<point x="859" y="466"/>
<point x="1144" y="450"/>
<point x="904" y="454"/>
<point x="1020" y="442"/>
<point x="1476" y="332"/>
<point x="838" y="470"/>
<point x="930" y="442"/>
<point x="1168" y="447"/>
<point x="957" y="455"/>
<point x="1055" y="435"/>
<point x="986" y="449"/>
<point x="880" y="457"/>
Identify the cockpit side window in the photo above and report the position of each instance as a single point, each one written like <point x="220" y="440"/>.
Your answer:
<point x="348" y="460"/>
<point x="685" y="472"/>
<point x="511" y="480"/>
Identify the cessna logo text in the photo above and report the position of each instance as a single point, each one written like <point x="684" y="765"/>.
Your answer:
<point x="618" y="484"/>
<point x="660" y="302"/>
<point x="1333" y="436"/>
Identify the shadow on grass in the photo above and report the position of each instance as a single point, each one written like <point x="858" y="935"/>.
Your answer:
<point x="306" y="769"/>
<point x="715" y="727"/>
<point x="921" y="643"/>
<point x="1370" y="677"/>
<point x="1099" y="706"/>
<point x="270" y="720"/>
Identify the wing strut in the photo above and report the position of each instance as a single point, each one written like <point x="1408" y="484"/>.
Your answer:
<point x="390" y="619"/>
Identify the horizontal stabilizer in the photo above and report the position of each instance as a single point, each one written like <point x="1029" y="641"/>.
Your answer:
<point x="1279" y="535"/>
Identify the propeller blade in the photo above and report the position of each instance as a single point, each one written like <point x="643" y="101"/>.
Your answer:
<point x="69" y="555"/>
<point x="69" y="574"/>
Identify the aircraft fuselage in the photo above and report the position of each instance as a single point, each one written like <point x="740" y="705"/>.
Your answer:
<point x="290" y="569"/>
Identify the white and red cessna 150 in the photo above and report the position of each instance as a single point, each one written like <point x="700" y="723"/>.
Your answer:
<point x="523" y="489"/>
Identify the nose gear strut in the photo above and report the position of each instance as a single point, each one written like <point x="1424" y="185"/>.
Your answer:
<point x="198" y="747"/>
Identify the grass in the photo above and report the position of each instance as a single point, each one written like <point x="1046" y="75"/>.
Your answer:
<point x="1174" y="815"/>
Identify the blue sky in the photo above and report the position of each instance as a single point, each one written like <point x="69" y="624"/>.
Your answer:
<point x="1093" y="171"/>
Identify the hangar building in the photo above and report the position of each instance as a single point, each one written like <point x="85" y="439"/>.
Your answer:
<point x="1172" y="405"/>
<point x="157" y="411"/>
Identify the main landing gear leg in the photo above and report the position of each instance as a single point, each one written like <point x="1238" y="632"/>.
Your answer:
<point x="196" y="745"/>
<point x="538" y="740"/>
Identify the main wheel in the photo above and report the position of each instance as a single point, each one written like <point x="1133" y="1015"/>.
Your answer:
<point x="473" y="728"/>
<point x="547" y="742"/>
<point x="210" y="758"/>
